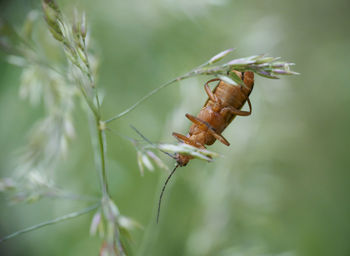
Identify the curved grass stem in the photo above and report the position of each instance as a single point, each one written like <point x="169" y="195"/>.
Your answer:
<point x="145" y="97"/>
<point x="154" y="91"/>
<point x="50" y="222"/>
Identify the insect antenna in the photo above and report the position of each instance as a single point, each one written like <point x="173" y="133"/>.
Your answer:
<point x="171" y="174"/>
<point x="150" y="142"/>
<point x="161" y="193"/>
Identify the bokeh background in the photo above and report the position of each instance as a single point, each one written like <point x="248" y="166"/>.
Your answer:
<point x="281" y="188"/>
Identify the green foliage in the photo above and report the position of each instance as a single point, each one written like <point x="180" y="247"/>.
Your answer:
<point x="279" y="189"/>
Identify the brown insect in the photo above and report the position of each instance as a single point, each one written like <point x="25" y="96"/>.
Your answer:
<point x="223" y="105"/>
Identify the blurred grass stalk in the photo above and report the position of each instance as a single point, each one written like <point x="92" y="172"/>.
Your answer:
<point x="57" y="127"/>
<point x="73" y="40"/>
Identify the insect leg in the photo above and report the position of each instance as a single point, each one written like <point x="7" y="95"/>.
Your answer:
<point x="186" y="140"/>
<point x="205" y="126"/>
<point x="238" y="112"/>
<point x="211" y="95"/>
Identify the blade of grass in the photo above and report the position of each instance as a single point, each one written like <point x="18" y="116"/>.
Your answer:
<point x="50" y="222"/>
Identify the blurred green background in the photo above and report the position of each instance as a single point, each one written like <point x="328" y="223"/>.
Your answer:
<point x="282" y="187"/>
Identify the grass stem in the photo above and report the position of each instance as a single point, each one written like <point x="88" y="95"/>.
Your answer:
<point x="50" y="222"/>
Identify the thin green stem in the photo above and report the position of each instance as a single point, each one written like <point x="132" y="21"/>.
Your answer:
<point x="151" y="93"/>
<point x="102" y="149"/>
<point x="98" y="144"/>
<point x="96" y="147"/>
<point x="96" y="109"/>
<point x="50" y="222"/>
<point x="145" y="97"/>
<point x="196" y="71"/>
<point x="90" y="103"/>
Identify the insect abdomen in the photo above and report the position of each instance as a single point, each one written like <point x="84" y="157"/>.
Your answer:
<point x="234" y="96"/>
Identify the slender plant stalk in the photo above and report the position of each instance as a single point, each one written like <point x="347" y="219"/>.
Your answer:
<point x="145" y="97"/>
<point x="193" y="72"/>
<point x="94" y="109"/>
<point x="95" y="146"/>
<point x="103" y="160"/>
<point x="148" y="95"/>
<point x="50" y="222"/>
